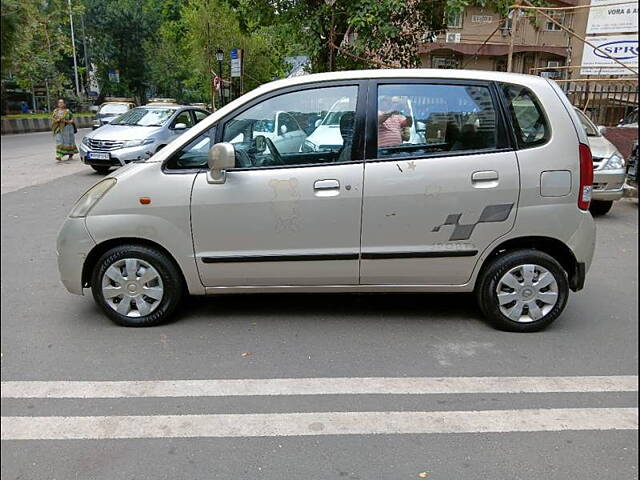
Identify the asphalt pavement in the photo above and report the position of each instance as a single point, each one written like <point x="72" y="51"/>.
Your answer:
<point x="203" y="397"/>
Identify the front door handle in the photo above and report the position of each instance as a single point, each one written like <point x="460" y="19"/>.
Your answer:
<point x="485" y="179"/>
<point x="326" y="188"/>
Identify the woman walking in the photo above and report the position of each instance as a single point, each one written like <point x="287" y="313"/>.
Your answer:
<point x="64" y="129"/>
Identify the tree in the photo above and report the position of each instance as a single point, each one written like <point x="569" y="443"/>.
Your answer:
<point x="118" y="30"/>
<point x="341" y="34"/>
<point x="40" y="49"/>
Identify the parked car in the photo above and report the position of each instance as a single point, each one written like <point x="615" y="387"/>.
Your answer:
<point x="493" y="210"/>
<point x="632" y="167"/>
<point x="609" y="169"/>
<point x="137" y="134"/>
<point x="283" y="130"/>
<point x="110" y="110"/>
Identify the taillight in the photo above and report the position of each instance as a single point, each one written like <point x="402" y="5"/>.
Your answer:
<point x="586" y="177"/>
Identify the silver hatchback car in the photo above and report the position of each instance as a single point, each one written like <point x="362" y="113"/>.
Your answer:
<point x="137" y="134"/>
<point x="492" y="197"/>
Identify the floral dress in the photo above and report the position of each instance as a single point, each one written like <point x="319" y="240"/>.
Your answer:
<point x="64" y="132"/>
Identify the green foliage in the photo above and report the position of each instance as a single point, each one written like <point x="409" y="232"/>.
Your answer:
<point x="40" y="47"/>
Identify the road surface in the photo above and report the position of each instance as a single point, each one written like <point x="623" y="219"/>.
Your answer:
<point x="304" y="386"/>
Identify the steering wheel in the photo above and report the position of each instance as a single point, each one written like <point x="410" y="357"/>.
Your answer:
<point x="277" y="158"/>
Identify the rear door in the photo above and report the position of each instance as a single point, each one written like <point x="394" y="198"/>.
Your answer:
<point x="434" y="201"/>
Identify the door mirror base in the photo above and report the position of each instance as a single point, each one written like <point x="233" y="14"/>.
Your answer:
<point x="222" y="156"/>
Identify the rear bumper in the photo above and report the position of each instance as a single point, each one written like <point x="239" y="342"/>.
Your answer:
<point x="582" y="243"/>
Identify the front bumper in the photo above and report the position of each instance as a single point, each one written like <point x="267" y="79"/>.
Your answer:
<point x="608" y="184"/>
<point x="72" y="247"/>
<point x="119" y="157"/>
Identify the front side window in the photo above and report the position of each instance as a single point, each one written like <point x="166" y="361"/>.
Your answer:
<point x="299" y="128"/>
<point x="529" y="122"/>
<point x="200" y="115"/>
<point x="195" y="154"/>
<point x="422" y="120"/>
<point x="185" y="118"/>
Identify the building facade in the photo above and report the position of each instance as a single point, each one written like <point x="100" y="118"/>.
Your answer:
<point x="468" y="42"/>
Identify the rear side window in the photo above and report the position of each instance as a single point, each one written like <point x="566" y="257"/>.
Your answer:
<point x="529" y="121"/>
<point x="418" y="120"/>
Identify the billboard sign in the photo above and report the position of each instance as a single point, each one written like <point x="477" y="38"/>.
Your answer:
<point x="623" y="48"/>
<point x="607" y="18"/>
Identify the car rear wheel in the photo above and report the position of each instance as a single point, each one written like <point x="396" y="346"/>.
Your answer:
<point x="600" y="207"/>
<point x="101" y="169"/>
<point x="136" y="286"/>
<point x="522" y="291"/>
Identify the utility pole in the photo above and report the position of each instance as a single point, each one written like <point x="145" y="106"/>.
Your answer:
<point x="515" y="13"/>
<point x="73" y="47"/>
<point x="86" y="53"/>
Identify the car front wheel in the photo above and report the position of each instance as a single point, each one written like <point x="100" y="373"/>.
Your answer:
<point x="136" y="286"/>
<point x="523" y="291"/>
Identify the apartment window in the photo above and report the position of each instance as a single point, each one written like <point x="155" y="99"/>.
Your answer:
<point x="454" y="20"/>
<point x="549" y="26"/>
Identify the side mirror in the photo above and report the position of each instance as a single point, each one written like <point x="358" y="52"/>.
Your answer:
<point x="318" y="122"/>
<point x="283" y="129"/>
<point x="602" y="129"/>
<point x="222" y="156"/>
<point x="180" y="126"/>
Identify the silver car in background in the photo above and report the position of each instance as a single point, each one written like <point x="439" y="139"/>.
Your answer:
<point x="137" y="134"/>
<point x="609" y="169"/>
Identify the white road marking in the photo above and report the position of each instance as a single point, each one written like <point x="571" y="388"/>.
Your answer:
<point x="318" y="386"/>
<point x="329" y="423"/>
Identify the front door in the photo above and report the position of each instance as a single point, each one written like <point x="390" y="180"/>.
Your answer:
<point x="433" y="202"/>
<point x="282" y="217"/>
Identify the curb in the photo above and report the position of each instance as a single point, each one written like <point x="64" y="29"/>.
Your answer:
<point x="28" y="125"/>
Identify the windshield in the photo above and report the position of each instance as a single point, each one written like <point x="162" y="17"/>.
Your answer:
<point x="145" y="117"/>
<point x="113" y="108"/>
<point x="588" y="125"/>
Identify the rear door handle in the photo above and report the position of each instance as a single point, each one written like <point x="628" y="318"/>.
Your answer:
<point x="326" y="188"/>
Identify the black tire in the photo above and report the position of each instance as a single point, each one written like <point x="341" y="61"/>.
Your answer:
<point x="101" y="169"/>
<point x="600" y="207"/>
<point x="169" y="273"/>
<point x="487" y="295"/>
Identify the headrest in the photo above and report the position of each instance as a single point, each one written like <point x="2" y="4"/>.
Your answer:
<point x="346" y="124"/>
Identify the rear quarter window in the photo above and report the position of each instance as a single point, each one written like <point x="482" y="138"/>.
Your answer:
<point x="529" y="121"/>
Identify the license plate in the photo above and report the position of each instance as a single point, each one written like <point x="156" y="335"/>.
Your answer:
<point x="99" y="156"/>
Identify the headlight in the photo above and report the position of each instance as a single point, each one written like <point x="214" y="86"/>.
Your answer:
<point x="91" y="197"/>
<point x="308" y="146"/>
<point x="85" y="141"/>
<point x="137" y="143"/>
<point x="615" y="162"/>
